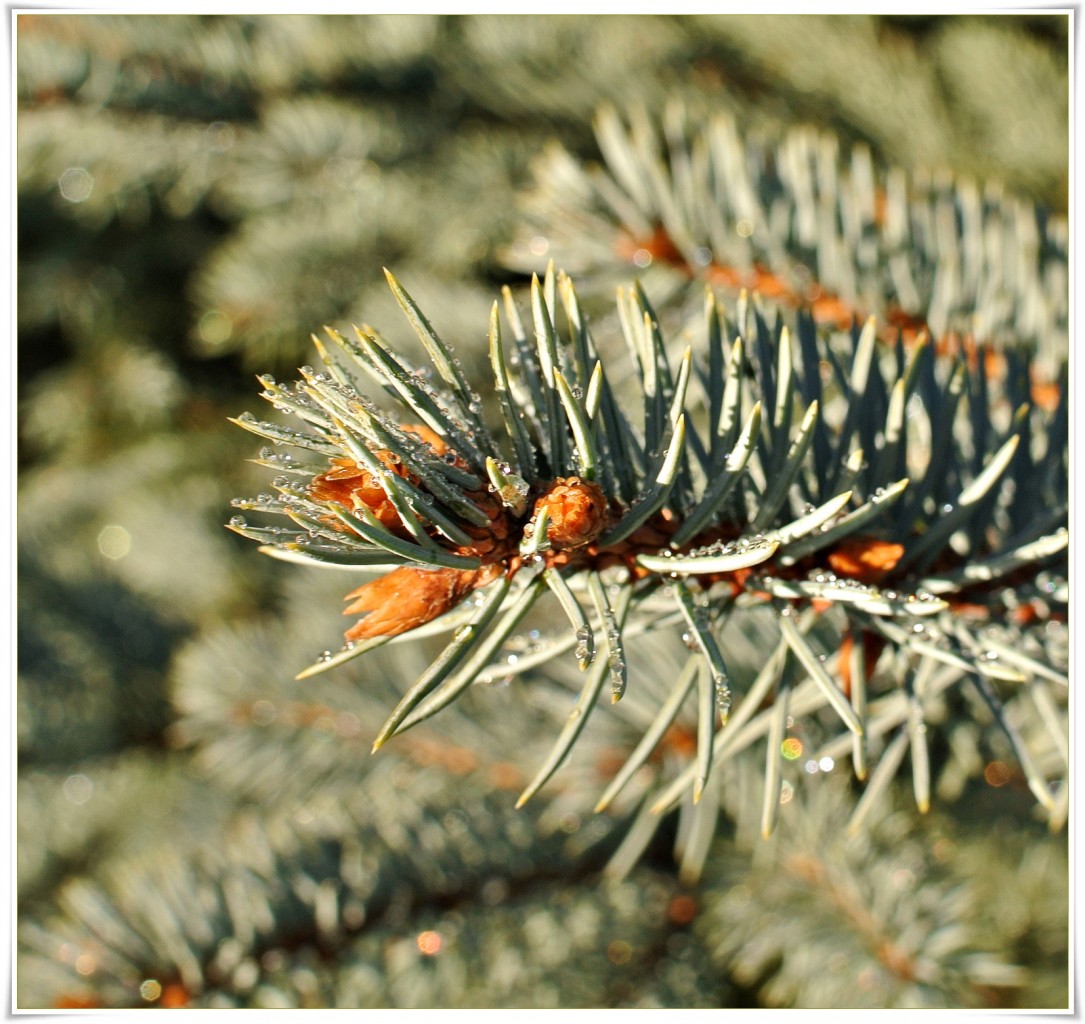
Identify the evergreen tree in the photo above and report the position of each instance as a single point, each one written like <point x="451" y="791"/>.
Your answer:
<point x="797" y="503"/>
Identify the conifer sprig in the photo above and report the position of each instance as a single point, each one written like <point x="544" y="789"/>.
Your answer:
<point x="803" y="223"/>
<point x="839" y="478"/>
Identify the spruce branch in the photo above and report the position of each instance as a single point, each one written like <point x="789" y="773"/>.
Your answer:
<point x="885" y="921"/>
<point x="792" y="217"/>
<point x="880" y="550"/>
<point x="200" y="823"/>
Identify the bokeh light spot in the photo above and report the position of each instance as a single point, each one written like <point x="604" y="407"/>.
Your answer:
<point x="76" y="184"/>
<point x="215" y="328"/>
<point x="996" y="773"/>
<point x="682" y="909"/>
<point x="429" y="943"/>
<point x="220" y="136"/>
<point x="791" y="748"/>
<point x="78" y="789"/>
<point x="114" y="541"/>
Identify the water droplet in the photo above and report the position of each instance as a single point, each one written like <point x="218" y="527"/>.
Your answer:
<point x="238" y="522"/>
<point x="585" y="646"/>
<point x="723" y="696"/>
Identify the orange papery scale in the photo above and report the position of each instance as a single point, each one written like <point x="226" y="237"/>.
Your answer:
<point x="351" y="485"/>
<point x="872" y="649"/>
<point x="825" y="306"/>
<point x="865" y="559"/>
<point x="843" y="668"/>
<point x="659" y="246"/>
<point x="409" y="597"/>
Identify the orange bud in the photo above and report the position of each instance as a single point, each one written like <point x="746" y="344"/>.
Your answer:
<point x="577" y="510"/>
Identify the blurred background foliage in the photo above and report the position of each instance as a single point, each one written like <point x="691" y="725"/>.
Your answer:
<point x="196" y="195"/>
